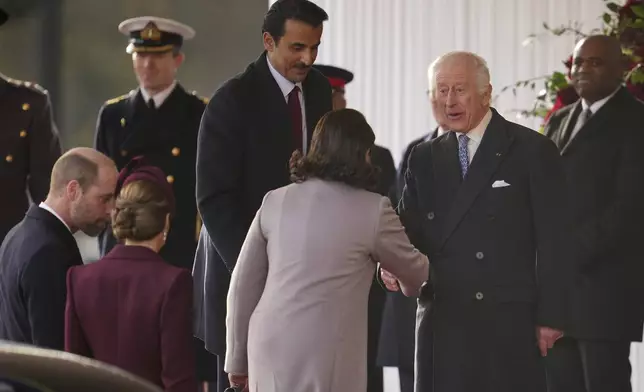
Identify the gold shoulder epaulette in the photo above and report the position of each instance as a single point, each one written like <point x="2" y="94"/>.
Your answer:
<point x="117" y="99"/>
<point x="27" y="84"/>
<point x="202" y="99"/>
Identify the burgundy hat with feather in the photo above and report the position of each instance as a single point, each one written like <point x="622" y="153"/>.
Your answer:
<point x="138" y="169"/>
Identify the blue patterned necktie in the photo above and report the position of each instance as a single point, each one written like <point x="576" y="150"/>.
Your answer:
<point x="463" y="155"/>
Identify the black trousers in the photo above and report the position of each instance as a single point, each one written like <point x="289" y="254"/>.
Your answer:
<point x="406" y="376"/>
<point x="222" y="377"/>
<point x="574" y="365"/>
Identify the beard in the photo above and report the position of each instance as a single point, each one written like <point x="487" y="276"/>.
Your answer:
<point x="81" y="214"/>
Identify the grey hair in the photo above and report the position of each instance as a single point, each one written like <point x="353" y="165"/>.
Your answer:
<point x="479" y="63"/>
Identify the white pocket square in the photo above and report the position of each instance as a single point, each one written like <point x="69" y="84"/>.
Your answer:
<point x="500" y="184"/>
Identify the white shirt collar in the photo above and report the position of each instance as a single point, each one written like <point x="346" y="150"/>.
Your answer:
<point x="476" y="134"/>
<point x="598" y="104"/>
<point x="54" y="213"/>
<point x="159" y="97"/>
<point x="285" y="85"/>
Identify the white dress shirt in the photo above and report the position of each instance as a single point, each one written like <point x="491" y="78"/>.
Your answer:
<point x="593" y="108"/>
<point x="159" y="97"/>
<point x="476" y="135"/>
<point x="46" y="207"/>
<point x="287" y="86"/>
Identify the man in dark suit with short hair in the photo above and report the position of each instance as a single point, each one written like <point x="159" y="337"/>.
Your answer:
<point x="484" y="202"/>
<point x="249" y="130"/>
<point x="600" y="139"/>
<point x="36" y="254"/>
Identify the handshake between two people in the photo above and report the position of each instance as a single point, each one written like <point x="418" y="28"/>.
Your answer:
<point x="546" y="336"/>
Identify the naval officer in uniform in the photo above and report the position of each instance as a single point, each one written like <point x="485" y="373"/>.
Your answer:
<point x="160" y="121"/>
<point x="29" y="146"/>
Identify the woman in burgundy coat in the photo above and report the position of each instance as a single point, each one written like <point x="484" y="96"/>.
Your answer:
<point x="131" y="309"/>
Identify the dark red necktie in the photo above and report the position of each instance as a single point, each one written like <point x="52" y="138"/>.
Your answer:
<point x="295" y="109"/>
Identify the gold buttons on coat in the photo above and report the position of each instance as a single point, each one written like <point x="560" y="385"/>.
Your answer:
<point x="25" y="106"/>
<point x="170" y="179"/>
<point x="23" y="133"/>
<point x="176" y="151"/>
<point x="9" y="158"/>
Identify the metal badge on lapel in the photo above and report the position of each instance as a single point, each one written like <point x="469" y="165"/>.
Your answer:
<point x="122" y="121"/>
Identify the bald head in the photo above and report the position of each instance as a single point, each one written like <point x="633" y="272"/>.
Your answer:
<point x="598" y="67"/>
<point x="79" y="164"/>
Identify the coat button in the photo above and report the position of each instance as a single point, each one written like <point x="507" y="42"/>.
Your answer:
<point x="170" y="179"/>
<point x="479" y="296"/>
<point x="25" y="106"/>
<point x="23" y="133"/>
<point x="123" y="153"/>
<point x="480" y="255"/>
<point x="176" y="151"/>
<point x="430" y="216"/>
<point x="9" y="158"/>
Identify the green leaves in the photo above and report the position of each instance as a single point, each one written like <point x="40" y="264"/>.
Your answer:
<point x="638" y="10"/>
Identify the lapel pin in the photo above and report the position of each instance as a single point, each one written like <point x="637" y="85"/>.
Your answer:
<point x="123" y="121"/>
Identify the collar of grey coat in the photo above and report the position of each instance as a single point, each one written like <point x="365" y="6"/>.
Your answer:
<point x="459" y="195"/>
<point x="594" y="124"/>
<point x="56" y="226"/>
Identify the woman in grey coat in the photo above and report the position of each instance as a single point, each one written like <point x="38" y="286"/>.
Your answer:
<point x="297" y="305"/>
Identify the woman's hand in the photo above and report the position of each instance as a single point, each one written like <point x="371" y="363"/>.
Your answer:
<point x="239" y="380"/>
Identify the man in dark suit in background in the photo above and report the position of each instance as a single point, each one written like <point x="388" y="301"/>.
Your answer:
<point x="36" y="254"/>
<point x="249" y="130"/>
<point x="29" y="146"/>
<point x="397" y="338"/>
<point x="381" y="158"/>
<point x="482" y="201"/>
<point x="600" y="138"/>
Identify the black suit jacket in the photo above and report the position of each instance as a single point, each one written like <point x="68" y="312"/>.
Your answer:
<point x="482" y="240"/>
<point x="244" y="146"/>
<point x="34" y="259"/>
<point x="29" y="147"/>
<point x="167" y="137"/>
<point x="604" y="166"/>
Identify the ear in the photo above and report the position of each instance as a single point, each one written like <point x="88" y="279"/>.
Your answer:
<point x="73" y="190"/>
<point x="179" y="59"/>
<point x="269" y="42"/>
<point x="487" y="95"/>
<point x="167" y="223"/>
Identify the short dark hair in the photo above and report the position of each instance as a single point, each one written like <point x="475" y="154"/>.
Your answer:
<point x="340" y="144"/>
<point x="283" y="10"/>
<point x="73" y="166"/>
